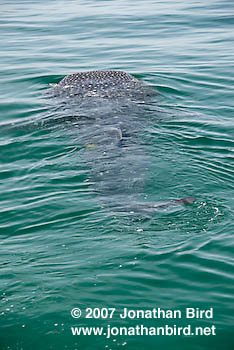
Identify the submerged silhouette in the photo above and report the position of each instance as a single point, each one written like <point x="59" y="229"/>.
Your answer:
<point x="108" y="113"/>
<point x="114" y="105"/>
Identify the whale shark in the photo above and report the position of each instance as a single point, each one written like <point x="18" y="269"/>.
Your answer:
<point x="109" y="110"/>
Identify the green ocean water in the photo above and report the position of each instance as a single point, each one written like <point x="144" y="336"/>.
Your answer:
<point x="61" y="247"/>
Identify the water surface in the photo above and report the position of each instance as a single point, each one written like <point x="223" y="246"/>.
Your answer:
<point x="62" y="244"/>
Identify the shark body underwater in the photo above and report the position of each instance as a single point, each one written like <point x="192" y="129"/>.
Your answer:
<point x="107" y="110"/>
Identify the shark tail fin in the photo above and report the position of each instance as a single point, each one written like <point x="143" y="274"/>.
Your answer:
<point x="186" y="200"/>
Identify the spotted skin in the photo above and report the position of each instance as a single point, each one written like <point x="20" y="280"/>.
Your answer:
<point x="102" y="84"/>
